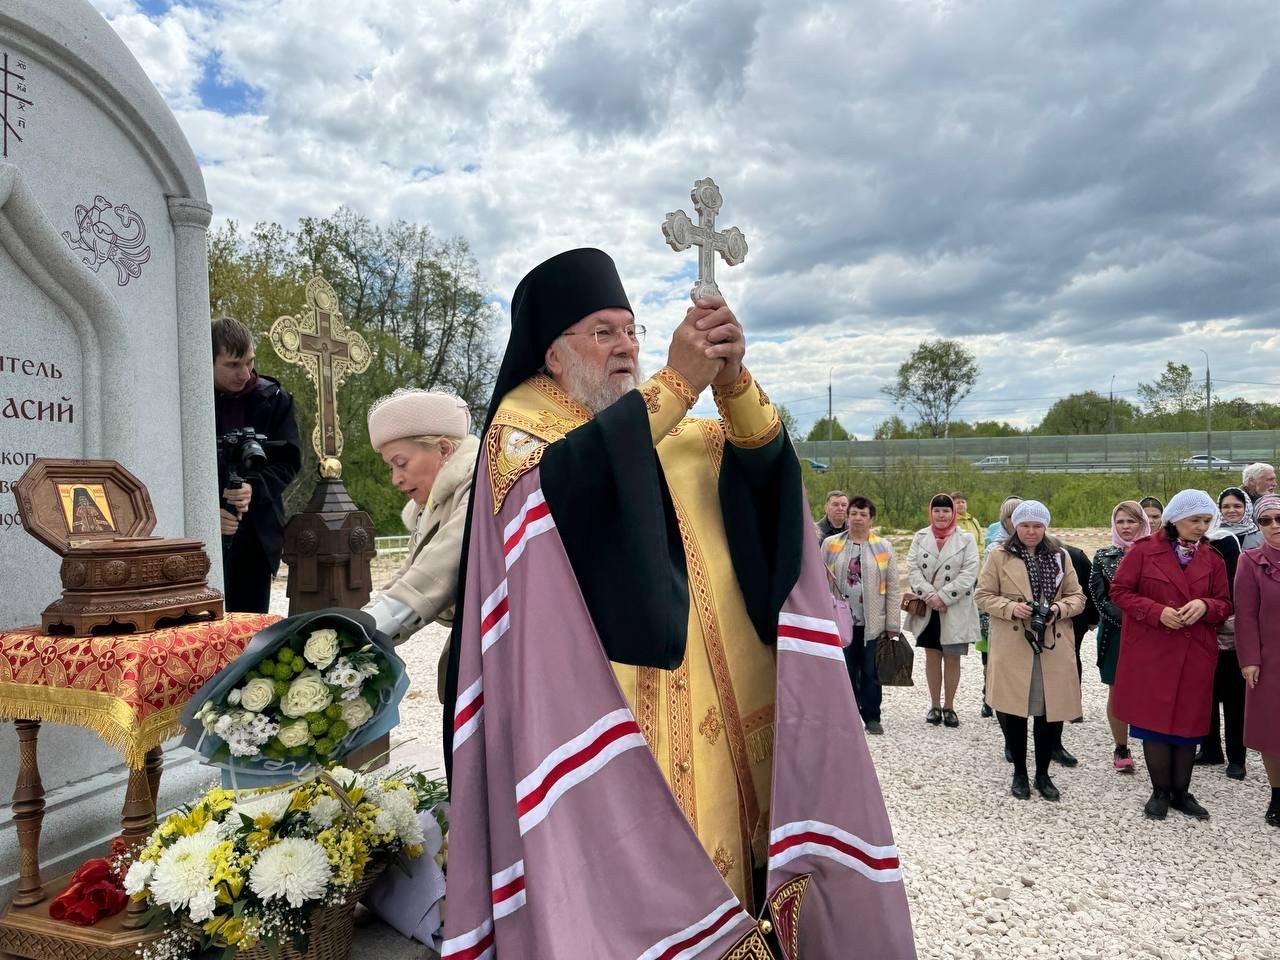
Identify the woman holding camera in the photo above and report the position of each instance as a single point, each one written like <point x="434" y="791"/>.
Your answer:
<point x="942" y="567"/>
<point x="1258" y="644"/>
<point x="1030" y="590"/>
<point x="424" y="439"/>
<point x="1172" y="589"/>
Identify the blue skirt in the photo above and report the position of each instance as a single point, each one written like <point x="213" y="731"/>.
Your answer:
<point x="1155" y="736"/>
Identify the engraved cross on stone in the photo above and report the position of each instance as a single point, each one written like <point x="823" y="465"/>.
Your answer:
<point x="327" y="351"/>
<point x="681" y="233"/>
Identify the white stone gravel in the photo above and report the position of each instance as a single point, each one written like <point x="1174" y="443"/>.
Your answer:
<point x="992" y="877"/>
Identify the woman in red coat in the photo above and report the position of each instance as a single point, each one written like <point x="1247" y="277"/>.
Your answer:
<point x="1172" y="589"/>
<point x="1258" y="644"/>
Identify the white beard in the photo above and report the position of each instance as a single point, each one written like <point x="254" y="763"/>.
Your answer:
<point x="593" y="387"/>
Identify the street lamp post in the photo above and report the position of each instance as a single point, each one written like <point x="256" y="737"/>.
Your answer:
<point x="1208" y="414"/>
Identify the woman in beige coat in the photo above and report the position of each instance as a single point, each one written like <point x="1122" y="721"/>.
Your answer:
<point x="1031" y="674"/>
<point x="423" y="437"/>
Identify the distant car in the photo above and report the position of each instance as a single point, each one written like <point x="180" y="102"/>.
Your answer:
<point x="816" y="466"/>
<point x="996" y="461"/>
<point x="1204" y="460"/>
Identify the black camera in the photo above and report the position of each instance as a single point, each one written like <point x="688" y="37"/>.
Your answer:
<point x="1041" y="614"/>
<point x="241" y="452"/>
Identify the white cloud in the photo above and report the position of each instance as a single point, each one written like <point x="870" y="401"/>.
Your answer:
<point x="1073" y="192"/>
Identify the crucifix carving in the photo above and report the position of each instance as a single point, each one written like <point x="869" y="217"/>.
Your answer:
<point x="319" y="342"/>
<point x="681" y="233"/>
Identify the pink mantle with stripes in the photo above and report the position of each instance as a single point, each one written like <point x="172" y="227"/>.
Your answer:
<point x="565" y="842"/>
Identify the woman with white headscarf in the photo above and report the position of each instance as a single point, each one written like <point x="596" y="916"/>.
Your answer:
<point x="1172" y="590"/>
<point x="424" y="438"/>
<point x="1030" y="590"/>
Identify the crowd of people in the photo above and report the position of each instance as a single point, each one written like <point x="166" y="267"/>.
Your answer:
<point x="1184" y="598"/>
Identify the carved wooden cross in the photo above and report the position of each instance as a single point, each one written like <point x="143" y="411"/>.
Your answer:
<point x="328" y="352"/>
<point x="681" y="233"/>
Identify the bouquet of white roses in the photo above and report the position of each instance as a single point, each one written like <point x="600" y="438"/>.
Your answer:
<point x="230" y="871"/>
<point x="307" y="690"/>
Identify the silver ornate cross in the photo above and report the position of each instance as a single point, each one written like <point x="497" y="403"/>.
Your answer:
<point x="681" y="233"/>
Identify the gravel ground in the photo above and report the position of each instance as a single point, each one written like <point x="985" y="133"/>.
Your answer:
<point x="989" y="876"/>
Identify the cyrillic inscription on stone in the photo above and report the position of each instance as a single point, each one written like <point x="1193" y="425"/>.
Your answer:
<point x="15" y="99"/>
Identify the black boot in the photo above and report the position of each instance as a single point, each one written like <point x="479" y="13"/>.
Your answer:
<point x="1186" y="803"/>
<point x="1157" y="807"/>
<point x="1064" y="757"/>
<point x="987" y="711"/>
<point x="1236" y="771"/>
<point x="1020" y="788"/>
<point x="1045" y="787"/>
<point x="1273" y="816"/>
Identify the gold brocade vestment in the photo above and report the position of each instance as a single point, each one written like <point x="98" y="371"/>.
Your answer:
<point x="709" y="723"/>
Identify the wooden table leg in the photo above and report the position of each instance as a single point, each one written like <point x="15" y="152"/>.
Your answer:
<point x="154" y="765"/>
<point x="28" y="815"/>
<point x="137" y="820"/>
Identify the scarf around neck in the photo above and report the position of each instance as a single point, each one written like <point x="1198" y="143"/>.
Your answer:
<point x="1134" y="509"/>
<point x="880" y="550"/>
<point x="1245" y="527"/>
<point x="1044" y="569"/>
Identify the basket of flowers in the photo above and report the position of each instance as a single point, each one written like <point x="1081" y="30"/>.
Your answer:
<point x="276" y="872"/>
<point x="305" y="692"/>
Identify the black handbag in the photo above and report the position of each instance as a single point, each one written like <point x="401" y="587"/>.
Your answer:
<point x="894" y="660"/>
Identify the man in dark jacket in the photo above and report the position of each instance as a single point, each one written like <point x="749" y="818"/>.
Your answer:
<point x="836" y="519"/>
<point x="252" y="514"/>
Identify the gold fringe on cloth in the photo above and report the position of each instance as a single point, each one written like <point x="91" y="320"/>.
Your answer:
<point x="760" y="744"/>
<point x="109" y="717"/>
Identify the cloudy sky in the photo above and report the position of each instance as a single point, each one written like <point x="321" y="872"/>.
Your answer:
<point x="1074" y="190"/>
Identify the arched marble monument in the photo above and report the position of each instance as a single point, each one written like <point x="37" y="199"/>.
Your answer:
<point x="104" y="341"/>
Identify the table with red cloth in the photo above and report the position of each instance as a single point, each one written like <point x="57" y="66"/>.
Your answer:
<point x="129" y="689"/>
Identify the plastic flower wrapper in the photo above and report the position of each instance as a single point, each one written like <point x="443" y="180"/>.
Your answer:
<point x="307" y="690"/>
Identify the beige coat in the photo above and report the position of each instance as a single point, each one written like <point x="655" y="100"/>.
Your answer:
<point x="951" y="574"/>
<point x="1003" y="583"/>
<point x="428" y="578"/>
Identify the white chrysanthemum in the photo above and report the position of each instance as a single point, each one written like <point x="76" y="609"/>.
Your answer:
<point x="184" y="869"/>
<point x="324" y="810"/>
<point x="275" y="805"/>
<point x="295" y="869"/>
<point x="396" y="815"/>
<point x="139" y="875"/>
<point x="202" y="905"/>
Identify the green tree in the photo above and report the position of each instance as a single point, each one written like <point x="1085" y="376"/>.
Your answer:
<point x="932" y="382"/>
<point x="1088" y="412"/>
<point x="994" y="428"/>
<point x="1174" y="401"/>
<point x="893" y="428"/>
<point x="819" y="430"/>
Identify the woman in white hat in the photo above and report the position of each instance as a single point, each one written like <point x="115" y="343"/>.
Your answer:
<point x="424" y="438"/>
<point x="1030" y="590"/>
<point x="1172" y="590"/>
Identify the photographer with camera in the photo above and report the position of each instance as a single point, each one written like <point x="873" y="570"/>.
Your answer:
<point x="258" y="457"/>
<point x="1030" y="590"/>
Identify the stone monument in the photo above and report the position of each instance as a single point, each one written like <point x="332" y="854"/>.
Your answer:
<point x="104" y="345"/>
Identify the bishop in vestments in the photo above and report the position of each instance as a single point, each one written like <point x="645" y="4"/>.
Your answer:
<point x="653" y="741"/>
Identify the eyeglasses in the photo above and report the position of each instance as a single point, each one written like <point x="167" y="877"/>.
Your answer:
<point x="1266" y="521"/>
<point x="603" y="335"/>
